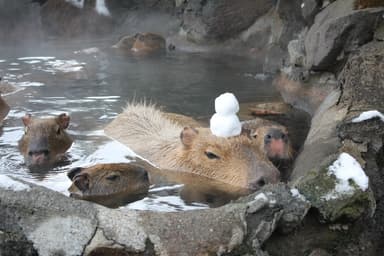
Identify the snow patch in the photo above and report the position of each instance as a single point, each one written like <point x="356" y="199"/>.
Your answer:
<point x="368" y="115"/>
<point x="101" y="8"/>
<point x="296" y="194"/>
<point x="76" y="3"/>
<point x="11" y="184"/>
<point x="261" y="197"/>
<point x="346" y="168"/>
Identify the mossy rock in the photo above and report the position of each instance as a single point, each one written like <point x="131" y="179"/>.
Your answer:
<point x="319" y="190"/>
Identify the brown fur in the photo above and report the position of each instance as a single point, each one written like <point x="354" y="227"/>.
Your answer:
<point x="109" y="184"/>
<point x="141" y="44"/>
<point x="259" y="129"/>
<point x="362" y="4"/>
<point x="4" y="109"/>
<point x="44" y="140"/>
<point x="170" y="146"/>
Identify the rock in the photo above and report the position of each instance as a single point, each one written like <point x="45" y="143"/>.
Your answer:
<point x="332" y="132"/>
<point x="296" y="50"/>
<point x="304" y="90"/>
<point x="379" y="32"/>
<point x="309" y="9"/>
<point x="287" y="23"/>
<point x="62" y="18"/>
<point x="82" y="228"/>
<point x="337" y="31"/>
<point x="220" y="20"/>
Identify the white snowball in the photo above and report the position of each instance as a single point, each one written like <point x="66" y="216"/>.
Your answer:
<point x="225" y="125"/>
<point x="226" y="104"/>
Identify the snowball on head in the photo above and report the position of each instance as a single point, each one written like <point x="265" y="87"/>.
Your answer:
<point x="226" y="104"/>
<point x="225" y="125"/>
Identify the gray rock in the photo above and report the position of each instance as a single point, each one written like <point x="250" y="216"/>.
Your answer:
<point x="337" y="31"/>
<point x="309" y="8"/>
<point x="58" y="225"/>
<point x="220" y="20"/>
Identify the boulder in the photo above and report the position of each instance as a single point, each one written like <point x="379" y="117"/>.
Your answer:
<point x="337" y="31"/>
<point x="220" y="20"/>
<point x="55" y="224"/>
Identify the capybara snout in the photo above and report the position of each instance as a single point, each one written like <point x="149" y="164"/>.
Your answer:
<point x="265" y="173"/>
<point x="45" y="139"/>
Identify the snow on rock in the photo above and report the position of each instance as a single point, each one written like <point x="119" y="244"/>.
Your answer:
<point x="11" y="184"/>
<point x="77" y="3"/>
<point x="225" y="123"/>
<point x="346" y="168"/>
<point x="101" y="8"/>
<point x="368" y="115"/>
<point x="261" y="197"/>
<point x="296" y="194"/>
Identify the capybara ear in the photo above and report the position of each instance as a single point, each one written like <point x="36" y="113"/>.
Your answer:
<point x="81" y="181"/>
<point x="246" y="132"/>
<point x="27" y="119"/>
<point x="63" y="120"/>
<point x="188" y="135"/>
<point x="71" y="173"/>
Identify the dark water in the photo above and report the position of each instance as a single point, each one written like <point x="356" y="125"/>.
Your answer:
<point x="93" y="86"/>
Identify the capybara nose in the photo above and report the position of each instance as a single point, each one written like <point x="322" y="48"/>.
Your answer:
<point x="38" y="157"/>
<point x="256" y="185"/>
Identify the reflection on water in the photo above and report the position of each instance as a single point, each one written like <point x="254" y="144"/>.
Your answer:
<point x="93" y="86"/>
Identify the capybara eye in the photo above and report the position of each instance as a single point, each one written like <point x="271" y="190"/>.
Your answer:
<point x="268" y="136"/>
<point x="211" y="155"/>
<point x="113" y="177"/>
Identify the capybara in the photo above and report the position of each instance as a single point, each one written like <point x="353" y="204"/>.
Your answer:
<point x="111" y="185"/>
<point x="4" y="109"/>
<point x="169" y="145"/>
<point x="45" y="140"/>
<point x="141" y="44"/>
<point x="270" y="137"/>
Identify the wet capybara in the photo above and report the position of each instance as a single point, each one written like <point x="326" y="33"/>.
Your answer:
<point x="4" y="109"/>
<point x="111" y="185"/>
<point x="270" y="137"/>
<point x="141" y="44"/>
<point x="169" y="145"/>
<point x="45" y="140"/>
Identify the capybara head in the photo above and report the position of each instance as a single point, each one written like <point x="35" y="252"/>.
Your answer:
<point x="147" y="43"/>
<point x="271" y="138"/>
<point x="45" y="139"/>
<point x="108" y="183"/>
<point x="125" y="42"/>
<point x="230" y="160"/>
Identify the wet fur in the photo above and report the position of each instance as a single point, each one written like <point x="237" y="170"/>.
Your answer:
<point x="169" y="145"/>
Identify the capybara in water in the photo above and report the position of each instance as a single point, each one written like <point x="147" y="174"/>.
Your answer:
<point x="270" y="137"/>
<point x="141" y="44"/>
<point x="111" y="185"/>
<point x="169" y="145"/>
<point x="4" y="109"/>
<point x="45" y="139"/>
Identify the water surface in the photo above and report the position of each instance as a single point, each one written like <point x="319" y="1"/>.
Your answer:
<point x="93" y="86"/>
